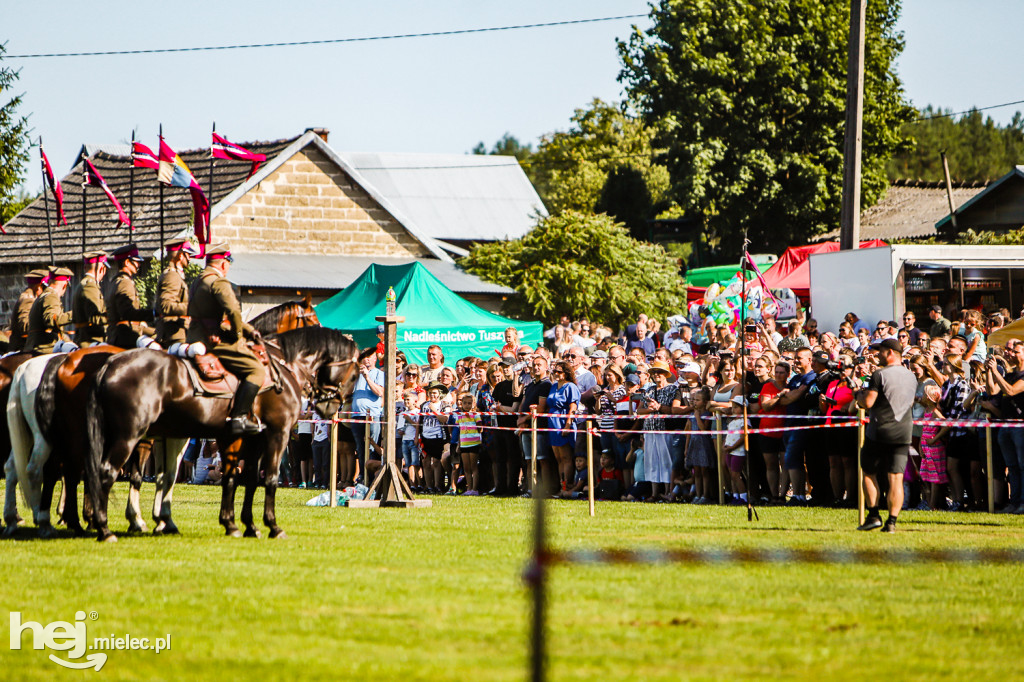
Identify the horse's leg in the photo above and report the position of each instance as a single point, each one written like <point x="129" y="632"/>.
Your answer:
<point x="250" y="478"/>
<point x="11" y="498"/>
<point x="101" y="498"/>
<point x="229" y="482"/>
<point x="87" y="510"/>
<point x="167" y="473"/>
<point x="70" y="514"/>
<point x="51" y="472"/>
<point x="276" y="443"/>
<point x="133" y="511"/>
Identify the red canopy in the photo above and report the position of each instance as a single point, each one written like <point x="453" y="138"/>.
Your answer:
<point x="793" y="271"/>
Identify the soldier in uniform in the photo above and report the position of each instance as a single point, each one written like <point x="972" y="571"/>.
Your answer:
<point x="35" y="281"/>
<point x="211" y="300"/>
<point x="47" y="315"/>
<point x="87" y="307"/>
<point x="126" y="319"/>
<point x="172" y="294"/>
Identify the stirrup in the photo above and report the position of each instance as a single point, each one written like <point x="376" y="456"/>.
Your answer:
<point x="243" y="426"/>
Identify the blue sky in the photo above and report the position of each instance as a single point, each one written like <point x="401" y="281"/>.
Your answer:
<point x="440" y="94"/>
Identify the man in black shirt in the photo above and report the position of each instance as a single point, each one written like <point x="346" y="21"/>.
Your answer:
<point x="506" y="459"/>
<point x="536" y="394"/>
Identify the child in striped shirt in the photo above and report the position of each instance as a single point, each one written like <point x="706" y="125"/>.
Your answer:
<point x="467" y="441"/>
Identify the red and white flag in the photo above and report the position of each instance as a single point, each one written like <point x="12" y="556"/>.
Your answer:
<point x="94" y="179"/>
<point x="143" y="156"/>
<point x="54" y="184"/>
<point x="220" y="148"/>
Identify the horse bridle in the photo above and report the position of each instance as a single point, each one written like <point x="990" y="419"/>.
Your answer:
<point x="319" y="394"/>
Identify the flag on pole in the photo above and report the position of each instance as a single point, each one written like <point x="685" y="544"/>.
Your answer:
<point x="174" y="172"/>
<point x="94" y="179"/>
<point x="143" y="156"/>
<point x="54" y="184"/>
<point x="222" y="149"/>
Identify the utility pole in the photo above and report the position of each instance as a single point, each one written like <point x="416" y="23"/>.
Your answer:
<point x="849" y="225"/>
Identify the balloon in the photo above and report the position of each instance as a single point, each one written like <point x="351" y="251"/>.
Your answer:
<point x="712" y="292"/>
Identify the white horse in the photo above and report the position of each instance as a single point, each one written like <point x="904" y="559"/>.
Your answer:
<point x="31" y="449"/>
<point x="28" y="453"/>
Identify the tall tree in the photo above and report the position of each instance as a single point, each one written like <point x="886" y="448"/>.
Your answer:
<point x="582" y="264"/>
<point x="749" y="96"/>
<point x="14" y="143"/>
<point x="572" y="167"/>
<point x="978" y="149"/>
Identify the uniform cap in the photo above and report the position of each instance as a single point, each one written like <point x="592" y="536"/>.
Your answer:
<point x="126" y="252"/>
<point x="94" y="257"/>
<point x="180" y="244"/>
<point x="219" y="252"/>
<point x="38" y="274"/>
<point x="60" y="274"/>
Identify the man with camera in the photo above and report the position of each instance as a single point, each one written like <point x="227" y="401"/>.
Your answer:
<point x="819" y="442"/>
<point x="889" y="397"/>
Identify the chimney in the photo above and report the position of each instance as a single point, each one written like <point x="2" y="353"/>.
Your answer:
<point x="322" y="132"/>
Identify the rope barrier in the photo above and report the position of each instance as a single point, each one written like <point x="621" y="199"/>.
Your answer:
<point x="779" y="555"/>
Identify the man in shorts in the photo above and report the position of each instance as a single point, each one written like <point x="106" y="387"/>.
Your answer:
<point x="889" y="398"/>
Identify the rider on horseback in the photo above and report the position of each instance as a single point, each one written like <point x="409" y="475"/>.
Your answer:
<point x="35" y="281"/>
<point x="47" y="315"/>
<point x="211" y="300"/>
<point x="87" y="307"/>
<point x="127" y="318"/>
<point x="172" y="294"/>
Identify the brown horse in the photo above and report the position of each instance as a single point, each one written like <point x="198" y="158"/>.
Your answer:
<point x="148" y="392"/>
<point x="285" y="317"/>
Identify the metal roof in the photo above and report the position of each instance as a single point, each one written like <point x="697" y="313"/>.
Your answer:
<point x="300" y="271"/>
<point x="454" y="196"/>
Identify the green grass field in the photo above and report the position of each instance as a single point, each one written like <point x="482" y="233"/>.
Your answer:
<point x="437" y="594"/>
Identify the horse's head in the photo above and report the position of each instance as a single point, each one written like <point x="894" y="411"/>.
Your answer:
<point x="286" y="317"/>
<point x="305" y="314"/>
<point x="330" y="364"/>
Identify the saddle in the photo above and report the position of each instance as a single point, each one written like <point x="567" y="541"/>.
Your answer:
<point x="211" y="380"/>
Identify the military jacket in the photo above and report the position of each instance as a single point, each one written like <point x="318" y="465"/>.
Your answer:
<point x="44" y="322"/>
<point x="216" y="316"/>
<point x="171" y="306"/>
<point x="19" y="319"/>
<point x="125" y="315"/>
<point x="89" y="311"/>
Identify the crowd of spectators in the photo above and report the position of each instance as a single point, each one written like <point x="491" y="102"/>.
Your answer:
<point x="464" y="423"/>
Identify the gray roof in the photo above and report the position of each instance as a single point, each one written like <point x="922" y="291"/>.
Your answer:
<point x="454" y="196"/>
<point x="910" y="210"/>
<point x="1016" y="174"/>
<point x="301" y="271"/>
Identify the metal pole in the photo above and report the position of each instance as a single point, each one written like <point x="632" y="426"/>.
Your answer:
<point x="590" y="464"/>
<point x="131" y="190"/>
<point x="85" y="212"/>
<point x="536" y="576"/>
<point x="46" y="200"/>
<point x="719" y="445"/>
<point x="743" y="374"/>
<point x="988" y="470"/>
<point x="949" y="190"/>
<point x="860" y="467"/>
<point x="209" y="227"/>
<point x="334" y="462"/>
<point x="159" y="150"/>
<point x="533" y="449"/>
<point x="367" y="439"/>
<point x="849" y="229"/>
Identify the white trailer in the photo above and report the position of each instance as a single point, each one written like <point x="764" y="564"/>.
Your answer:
<point x="881" y="283"/>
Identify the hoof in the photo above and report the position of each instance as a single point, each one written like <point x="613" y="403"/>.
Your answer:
<point x="278" y="535"/>
<point x="252" y="533"/>
<point x="233" y="532"/>
<point x="106" y="536"/>
<point x="170" y="529"/>
<point x="46" y="531"/>
<point x="9" y="531"/>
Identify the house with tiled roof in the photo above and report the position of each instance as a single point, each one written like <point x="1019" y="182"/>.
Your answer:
<point x="310" y="220"/>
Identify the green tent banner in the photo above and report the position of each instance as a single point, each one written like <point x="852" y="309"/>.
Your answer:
<point x="434" y="314"/>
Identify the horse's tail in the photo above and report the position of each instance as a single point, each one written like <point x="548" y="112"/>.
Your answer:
<point x="45" y="396"/>
<point x="94" y="461"/>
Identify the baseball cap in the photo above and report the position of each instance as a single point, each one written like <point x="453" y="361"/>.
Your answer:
<point x="822" y="357"/>
<point x="599" y="354"/>
<point x="739" y="400"/>
<point x="937" y="308"/>
<point x="691" y="367"/>
<point x="380" y="329"/>
<point x="508" y="360"/>
<point x="633" y="379"/>
<point x="890" y="344"/>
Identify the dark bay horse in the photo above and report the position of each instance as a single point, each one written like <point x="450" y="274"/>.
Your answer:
<point x="287" y="316"/>
<point x="142" y="392"/>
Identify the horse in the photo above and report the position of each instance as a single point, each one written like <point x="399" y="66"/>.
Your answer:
<point x="144" y="391"/>
<point x="60" y="395"/>
<point x="287" y="316"/>
<point x="8" y="364"/>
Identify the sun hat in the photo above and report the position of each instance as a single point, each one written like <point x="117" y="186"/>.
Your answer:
<point x="438" y="385"/>
<point x="659" y="366"/>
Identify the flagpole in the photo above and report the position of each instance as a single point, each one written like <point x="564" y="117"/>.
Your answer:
<point x="85" y="214"/>
<point x="46" y="199"/>
<point x="131" y="189"/>
<point x="159" y="153"/>
<point x="209" y="226"/>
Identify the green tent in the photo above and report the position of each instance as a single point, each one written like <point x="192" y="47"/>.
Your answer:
<point x="705" y="277"/>
<point x="434" y="314"/>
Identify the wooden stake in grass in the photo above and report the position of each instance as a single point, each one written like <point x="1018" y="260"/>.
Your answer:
<point x="860" y="466"/>
<point x="988" y="470"/>
<point x="719" y="445"/>
<point x="590" y="464"/>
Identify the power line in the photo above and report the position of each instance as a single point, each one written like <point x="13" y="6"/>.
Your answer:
<point x="961" y="113"/>
<point x="433" y="34"/>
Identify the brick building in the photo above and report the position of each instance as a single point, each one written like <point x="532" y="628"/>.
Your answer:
<point x="309" y="221"/>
